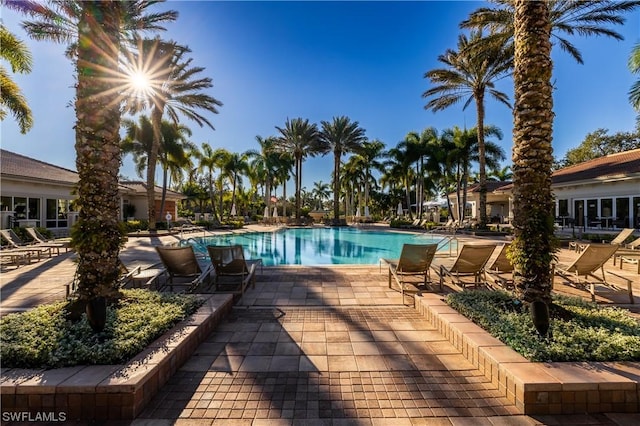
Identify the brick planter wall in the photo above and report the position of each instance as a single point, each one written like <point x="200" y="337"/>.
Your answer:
<point x="109" y="392"/>
<point x="537" y="388"/>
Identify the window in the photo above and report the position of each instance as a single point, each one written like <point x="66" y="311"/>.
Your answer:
<point x="622" y="213"/>
<point x="20" y="208"/>
<point x="563" y="208"/>
<point x="57" y="213"/>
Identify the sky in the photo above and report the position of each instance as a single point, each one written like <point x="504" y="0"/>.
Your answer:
<point x="270" y="61"/>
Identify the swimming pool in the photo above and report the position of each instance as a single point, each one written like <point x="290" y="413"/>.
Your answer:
<point x="320" y="246"/>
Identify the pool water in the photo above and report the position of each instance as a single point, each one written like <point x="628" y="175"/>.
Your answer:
<point x="320" y="246"/>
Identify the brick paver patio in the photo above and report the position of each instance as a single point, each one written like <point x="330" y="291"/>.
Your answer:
<point x="314" y="346"/>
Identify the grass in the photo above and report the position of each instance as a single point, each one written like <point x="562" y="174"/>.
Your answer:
<point x="44" y="337"/>
<point x="580" y="331"/>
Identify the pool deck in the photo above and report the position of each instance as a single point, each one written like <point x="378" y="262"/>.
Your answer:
<point x="319" y="345"/>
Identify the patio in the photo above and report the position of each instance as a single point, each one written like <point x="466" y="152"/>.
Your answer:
<point x="316" y="343"/>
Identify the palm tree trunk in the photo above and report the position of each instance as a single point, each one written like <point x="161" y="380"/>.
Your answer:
<point x="152" y="160"/>
<point x="336" y="187"/>
<point x="212" y="197"/>
<point x="534" y="244"/>
<point x="97" y="237"/>
<point x="298" y="186"/>
<point x="479" y="96"/>
<point x="164" y="189"/>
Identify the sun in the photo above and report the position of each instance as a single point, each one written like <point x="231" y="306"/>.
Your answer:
<point x="140" y="84"/>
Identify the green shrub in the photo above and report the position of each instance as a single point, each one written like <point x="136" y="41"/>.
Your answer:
<point x="579" y="331"/>
<point x="136" y="225"/>
<point x="44" y="338"/>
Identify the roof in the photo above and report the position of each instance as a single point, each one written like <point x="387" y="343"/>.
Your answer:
<point x="140" y="187"/>
<point x="491" y="186"/>
<point x="610" y="166"/>
<point x="613" y="165"/>
<point x="12" y="164"/>
<point x="20" y="166"/>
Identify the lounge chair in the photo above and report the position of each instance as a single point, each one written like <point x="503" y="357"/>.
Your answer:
<point x="500" y="272"/>
<point x="619" y="239"/>
<point x="581" y="272"/>
<point x="628" y="256"/>
<point x="630" y="253"/>
<point x="18" y="245"/>
<point x="414" y="261"/>
<point x="181" y="264"/>
<point x="469" y="263"/>
<point x="232" y="272"/>
<point x="139" y="277"/>
<point x="14" y="257"/>
<point x="444" y="227"/>
<point x="38" y="238"/>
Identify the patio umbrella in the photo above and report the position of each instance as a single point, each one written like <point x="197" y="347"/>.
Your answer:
<point x="275" y="212"/>
<point x="399" y="209"/>
<point x="358" y="212"/>
<point x="233" y="209"/>
<point x="366" y="211"/>
<point x="266" y="212"/>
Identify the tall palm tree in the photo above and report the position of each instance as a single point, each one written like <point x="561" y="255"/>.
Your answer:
<point x="566" y="17"/>
<point x="340" y="136"/>
<point x="265" y="161"/>
<point x="174" y="144"/>
<point x="15" y="52"/>
<point x="533" y="246"/>
<point x="173" y="152"/>
<point x="95" y="30"/>
<point x="634" y="92"/>
<point x="282" y="173"/>
<point x="320" y="193"/>
<point x="368" y="156"/>
<point x="208" y="160"/>
<point x="465" y="151"/>
<point x="175" y="88"/>
<point x="352" y="185"/>
<point x="299" y="138"/>
<point x="235" y="166"/>
<point x="399" y="166"/>
<point x="471" y="76"/>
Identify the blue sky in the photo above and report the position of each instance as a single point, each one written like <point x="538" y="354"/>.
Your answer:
<point x="270" y="61"/>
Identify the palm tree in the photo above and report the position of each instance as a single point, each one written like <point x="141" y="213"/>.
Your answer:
<point x="282" y="173"/>
<point x="501" y="175"/>
<point x="533" y="246"/>
<point x="175" y="88"/>
<point x="264" y="163"/>
<point x="567" y="18"/>
<point x="320" y="193"/>
<point x="95" y="30"/>
<point x="368" y="156"/>
<point x="634" y="92"/>
<point x="399" y="166"/>
<point x="298" y="138"/>
<point x="210" y="159"/>
<point x="340" y="137"/>
<point x="233" y="166"/>
<point x="14" y="51"/>
<point x="138" y="141"/>
<point x="469" y="75"/>
<point x="465" y="150"/>
<point x="173" y="152"/>
<point x="352" y="184"/>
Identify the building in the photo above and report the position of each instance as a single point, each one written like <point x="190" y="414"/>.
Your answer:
<point x="599" y="193"/>
<point x="35" y="193"/>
